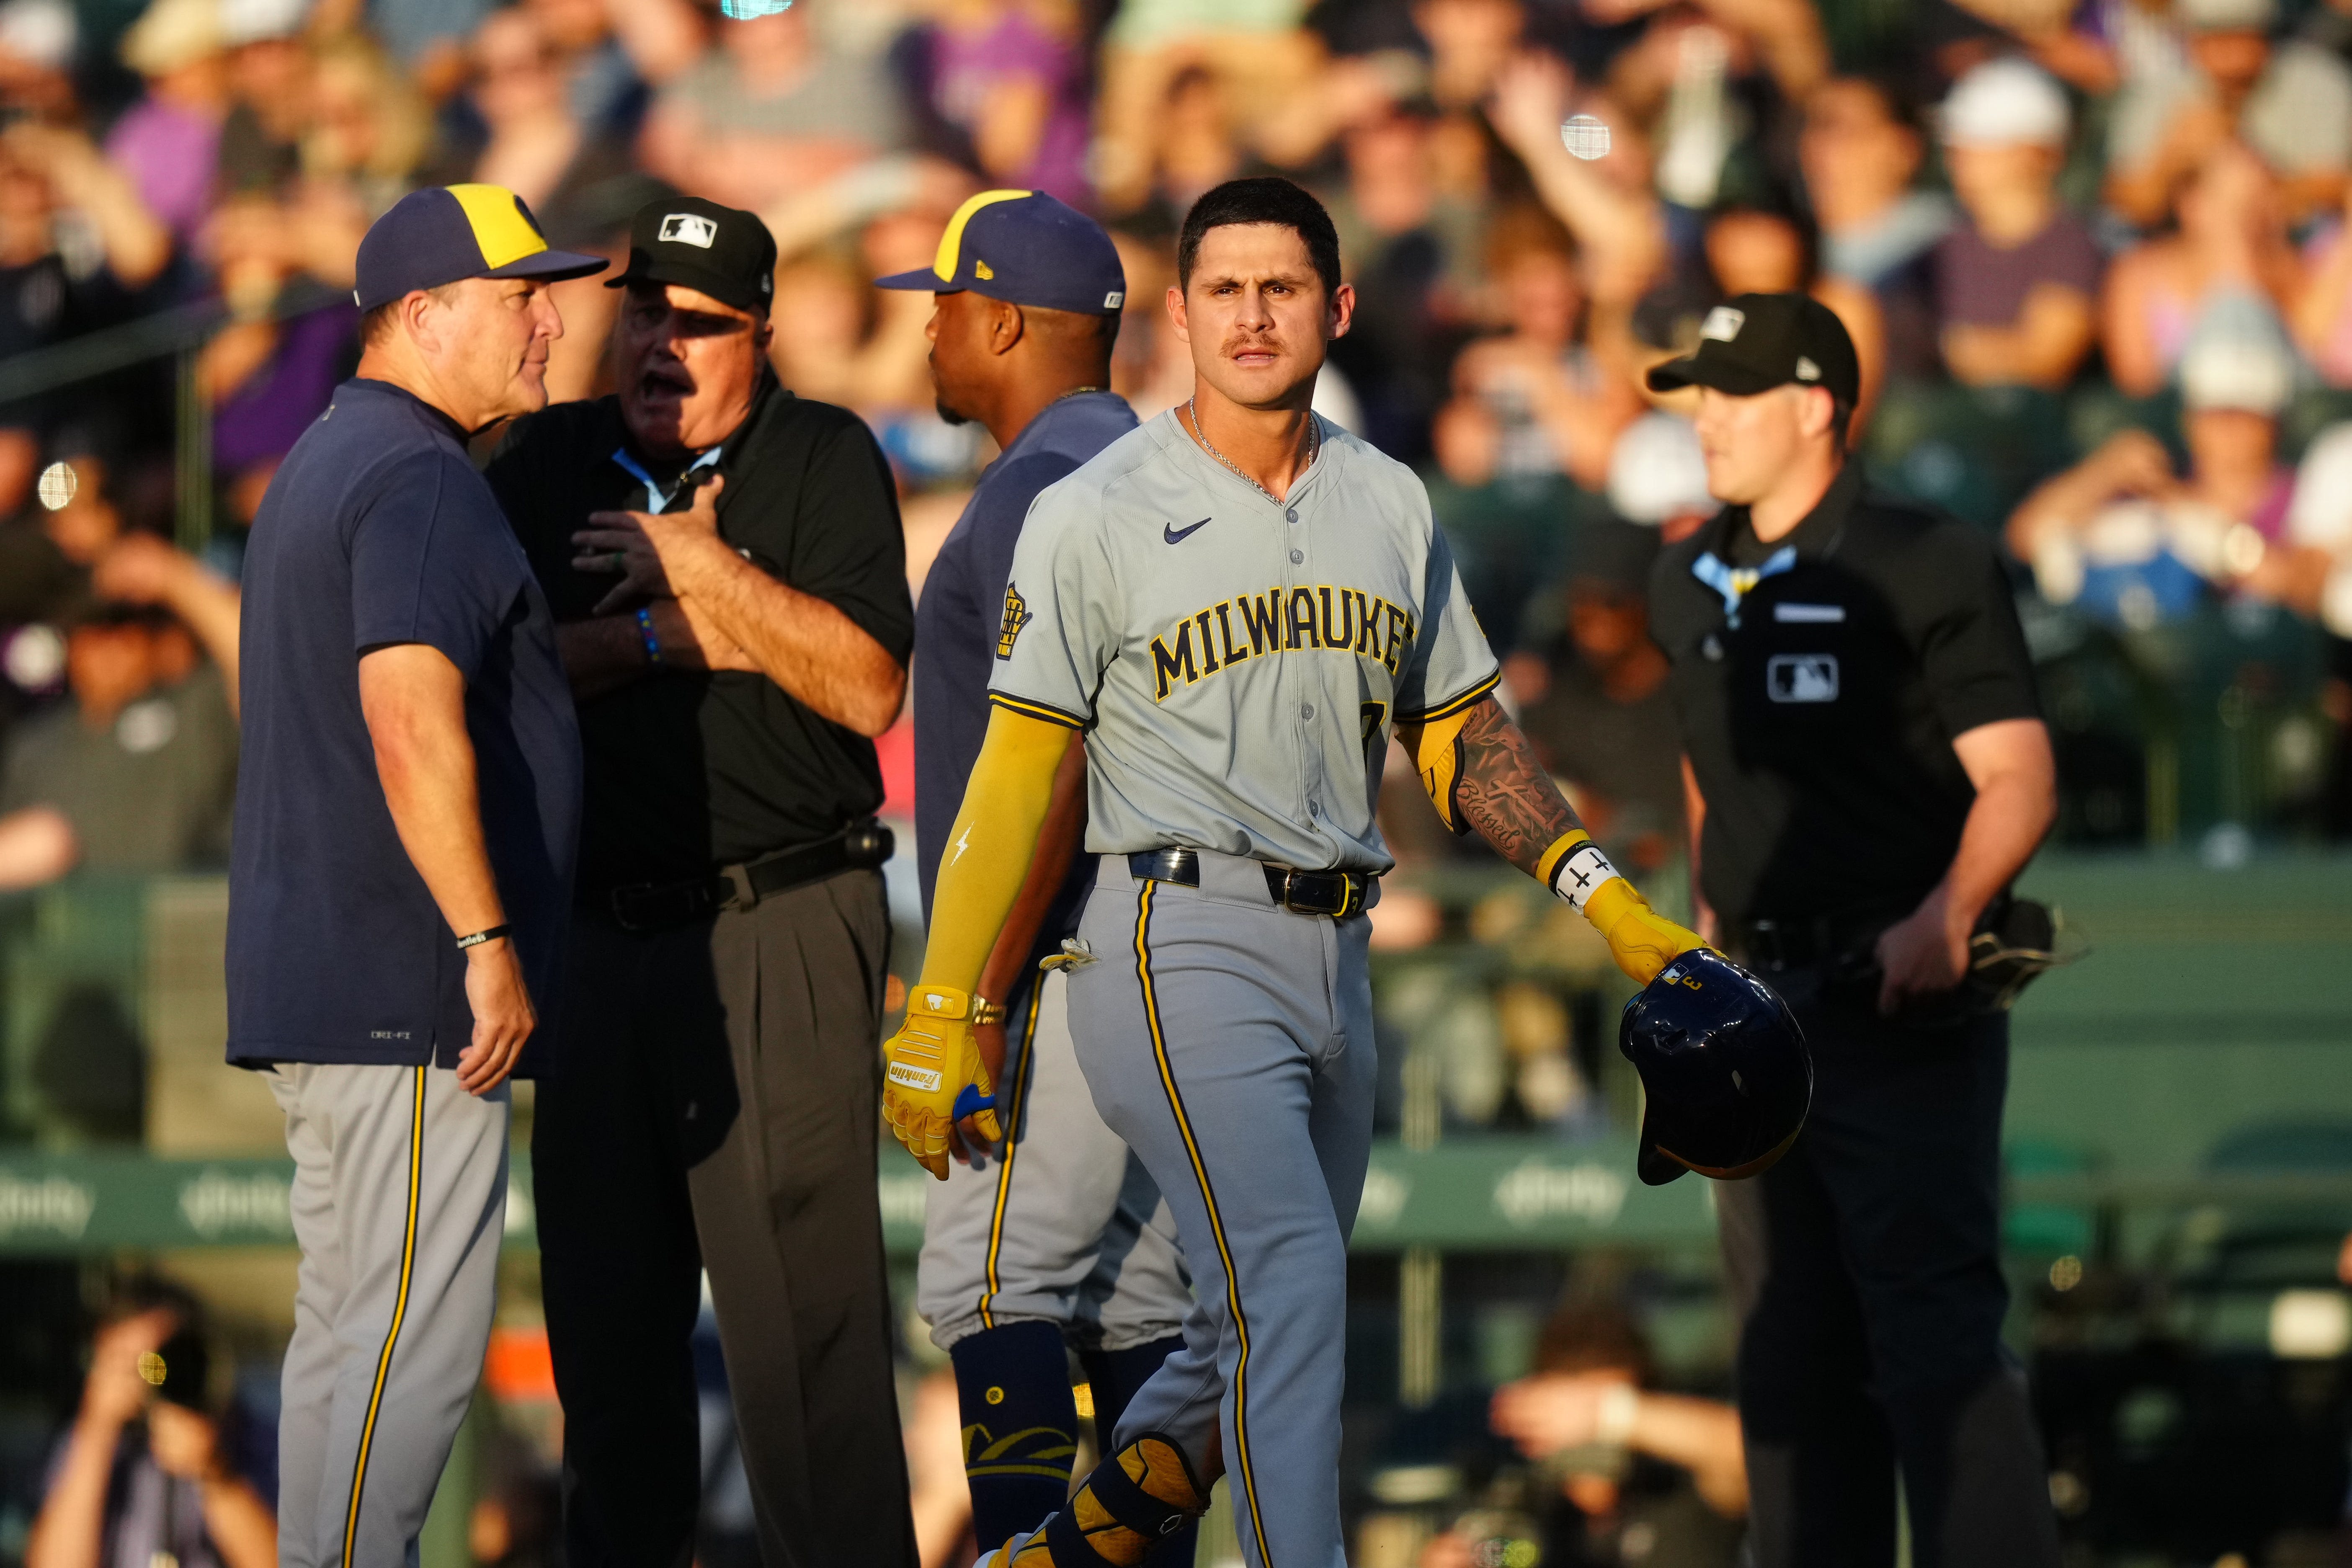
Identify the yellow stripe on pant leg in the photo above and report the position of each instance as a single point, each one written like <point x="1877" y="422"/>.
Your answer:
<point x="399" y="1310"/>
<point x="1010" y="1123"/>
<point x="1216" y="1225"/>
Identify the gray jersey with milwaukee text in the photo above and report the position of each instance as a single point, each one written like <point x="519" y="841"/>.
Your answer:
<point x="1238" y="662"/>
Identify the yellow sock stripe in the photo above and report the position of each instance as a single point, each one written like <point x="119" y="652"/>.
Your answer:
<point x="1209" y="1199"/>
<point x="1008" y="1121"/>
<point x="1548" y="863"/>
<point x="399" y="1309"/>
<point x="1050" y="1472"/>
<point x="999" y="1448"/>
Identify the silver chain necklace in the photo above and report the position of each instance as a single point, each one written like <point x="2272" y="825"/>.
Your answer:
<point x="1314" y="444"/>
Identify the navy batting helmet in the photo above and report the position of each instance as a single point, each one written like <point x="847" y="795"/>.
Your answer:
<point x="1724" y="1065"/>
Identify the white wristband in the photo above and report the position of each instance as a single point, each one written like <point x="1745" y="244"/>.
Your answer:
<point x="1579" y="874"/>
<point x="1613" y="1422"/>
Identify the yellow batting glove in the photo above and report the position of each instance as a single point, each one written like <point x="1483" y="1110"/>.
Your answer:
<point x="932" y="1077"/>
<point x="1642" y="941"/>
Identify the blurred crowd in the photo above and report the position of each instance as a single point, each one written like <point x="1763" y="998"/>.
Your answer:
<point x="2095" y="256"/>
<point x="169" y="1449"/>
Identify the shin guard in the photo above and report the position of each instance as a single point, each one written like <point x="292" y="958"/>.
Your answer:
<point x="1143" y="1492"/>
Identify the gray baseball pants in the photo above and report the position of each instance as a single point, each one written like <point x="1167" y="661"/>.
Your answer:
<point x="1066" y="1227"/>
<point x="1230" y="1043"/>
<point x="400" y="1202"/>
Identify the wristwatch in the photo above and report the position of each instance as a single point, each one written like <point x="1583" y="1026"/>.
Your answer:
<point x="985" y="1011"/>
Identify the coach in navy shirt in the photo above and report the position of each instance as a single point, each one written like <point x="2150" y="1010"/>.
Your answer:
<point x="401" y="871"/>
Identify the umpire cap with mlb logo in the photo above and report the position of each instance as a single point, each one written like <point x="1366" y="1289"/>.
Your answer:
<point x="695" y="244"/>
<point x="1023" y="247"/>
<point x="1754" y="343"/>
<point x="445" y="234"/>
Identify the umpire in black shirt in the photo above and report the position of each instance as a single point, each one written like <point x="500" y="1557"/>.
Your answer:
<point x="727" y="570"/>
<point x="1867" y="772"/>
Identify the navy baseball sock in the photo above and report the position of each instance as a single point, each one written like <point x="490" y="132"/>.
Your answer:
<point x="1020" y="1426"/>
<point x="1115" y="1376"/>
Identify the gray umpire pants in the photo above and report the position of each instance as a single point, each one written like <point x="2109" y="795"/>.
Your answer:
<point x="400" y="1202"/>
<point x="715" y="1105"/>
<point x="1064" y="1225"/>
<point x="1230" y="1043"/>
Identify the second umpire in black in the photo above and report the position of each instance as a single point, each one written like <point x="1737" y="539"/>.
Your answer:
<point x="727" y="570"/>
<point x="1868" y="773"/>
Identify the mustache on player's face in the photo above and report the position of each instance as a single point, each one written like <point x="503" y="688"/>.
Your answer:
<point x="1265" y="340"/>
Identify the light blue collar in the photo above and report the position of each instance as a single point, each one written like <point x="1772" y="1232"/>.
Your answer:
<point x="658" y="499"/>
<point x="1733" y="581"/>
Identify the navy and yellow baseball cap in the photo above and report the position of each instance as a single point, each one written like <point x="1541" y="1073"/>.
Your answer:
<point x="1026" y="248"/>
<point x="446" y="233"/>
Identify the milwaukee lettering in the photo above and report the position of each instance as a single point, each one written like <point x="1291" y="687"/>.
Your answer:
<point x="1281" y="620"/>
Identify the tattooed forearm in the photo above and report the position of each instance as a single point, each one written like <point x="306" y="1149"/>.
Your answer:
<point x="1504" y="793"/>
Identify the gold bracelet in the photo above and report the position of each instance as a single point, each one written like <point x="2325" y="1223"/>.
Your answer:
<point x="983" y="1011"/>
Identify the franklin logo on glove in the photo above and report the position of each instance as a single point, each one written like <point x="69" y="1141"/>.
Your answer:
<point x="936" y="1076"/>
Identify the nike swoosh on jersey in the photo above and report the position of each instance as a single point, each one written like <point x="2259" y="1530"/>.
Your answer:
<point x="1175" y="535"/>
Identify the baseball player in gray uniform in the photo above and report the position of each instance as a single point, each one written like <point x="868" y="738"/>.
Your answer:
<point x="1238" y="602"/>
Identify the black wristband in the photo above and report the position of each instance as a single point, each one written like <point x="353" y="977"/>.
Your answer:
<point x="480" y="937"/>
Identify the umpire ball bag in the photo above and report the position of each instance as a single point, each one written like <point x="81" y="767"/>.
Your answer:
<point x="1724" y="1067"/>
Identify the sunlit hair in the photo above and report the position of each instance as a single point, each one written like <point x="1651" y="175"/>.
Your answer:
<point x="1265" y="199"/>
<point x="376" y="325"/>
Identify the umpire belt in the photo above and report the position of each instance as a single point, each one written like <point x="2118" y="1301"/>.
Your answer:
<point x="1805" y="942"/>
<point x="1335" y="893"/>
<point x="656" y="906"/>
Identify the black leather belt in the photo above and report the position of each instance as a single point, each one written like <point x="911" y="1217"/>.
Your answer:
<point x="1804" y="942"/>
<point x="656" y="906"/>
<point x="1335" y="893"/>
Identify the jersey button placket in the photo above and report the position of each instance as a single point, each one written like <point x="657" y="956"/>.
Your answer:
<point x="1307" y="672"/>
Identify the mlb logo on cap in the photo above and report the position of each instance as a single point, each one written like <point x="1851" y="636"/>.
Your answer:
<point x="695" y="244"/>
<point x="690" y="228"/>
<point x="1758" y="342"/>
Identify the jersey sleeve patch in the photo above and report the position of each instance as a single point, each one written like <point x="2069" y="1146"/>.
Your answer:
<point x="1016" y="615"/>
